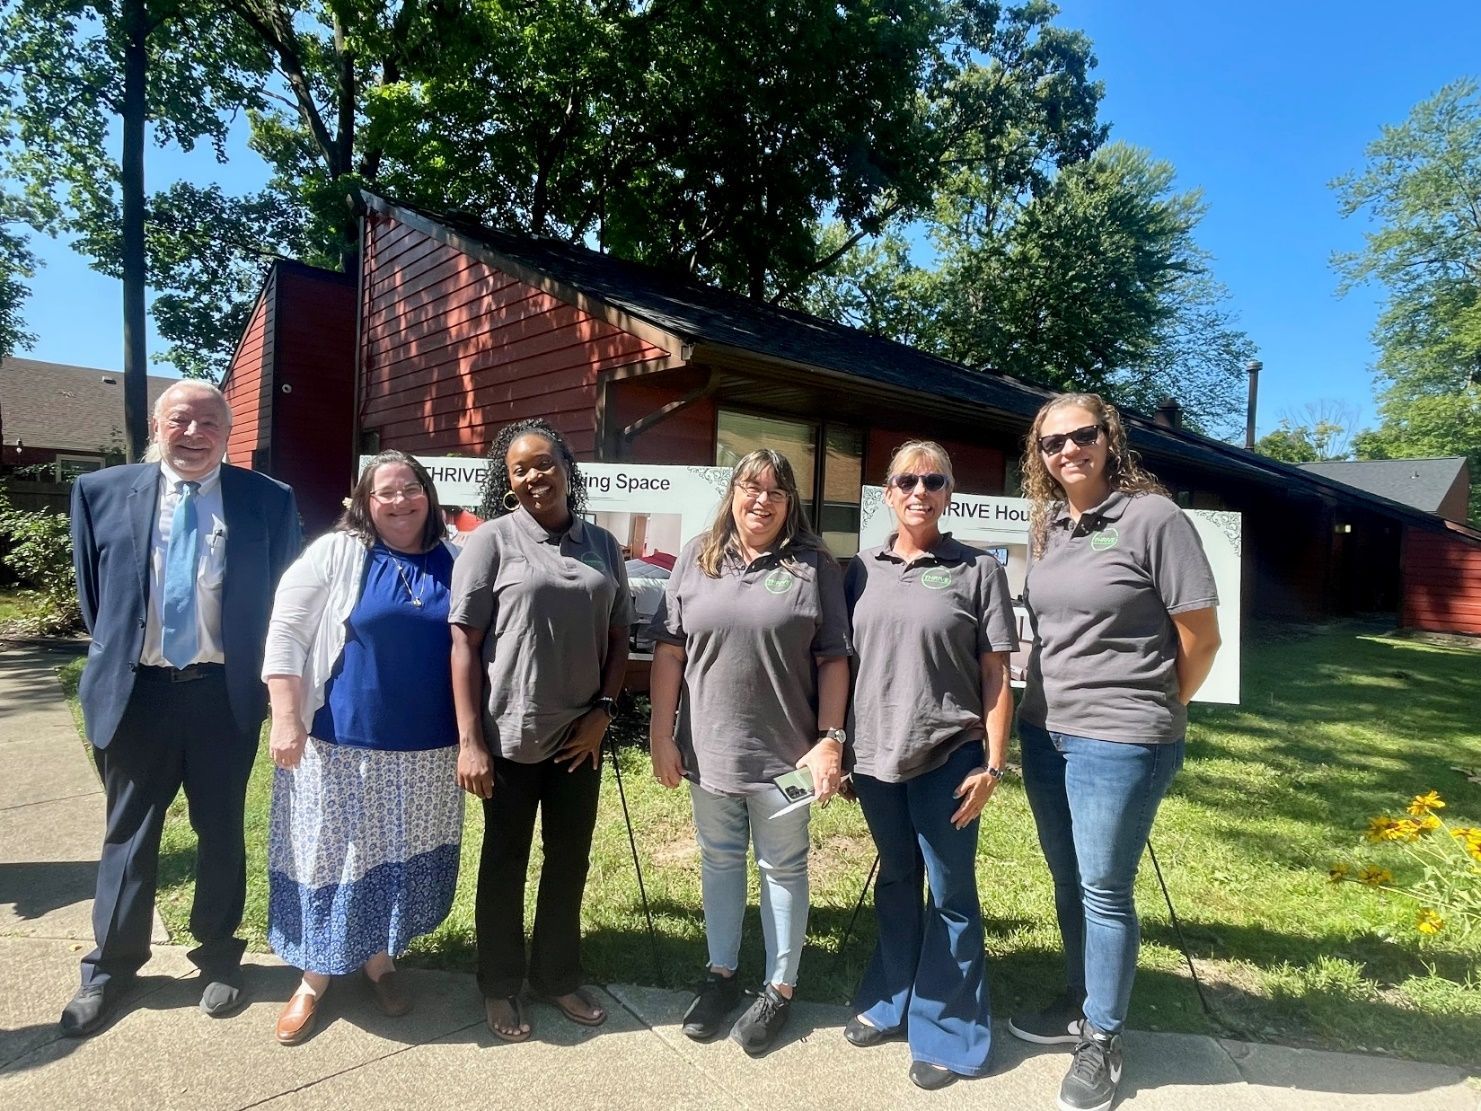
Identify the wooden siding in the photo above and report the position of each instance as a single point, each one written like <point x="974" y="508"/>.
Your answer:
<point x="313" y="395"/>
<point x="1442" y="581"/>
<point x="686" y="437"/>
<point x="452" y="348"/>
<point x="248" y="384"/>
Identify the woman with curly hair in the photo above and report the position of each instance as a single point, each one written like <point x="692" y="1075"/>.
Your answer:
<point x="1121" y="600"/>
<point x="750" y="682"/>
<point x="540" y="614"/>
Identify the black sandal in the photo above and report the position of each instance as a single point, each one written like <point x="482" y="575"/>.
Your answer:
<point x="517" y="1010"/>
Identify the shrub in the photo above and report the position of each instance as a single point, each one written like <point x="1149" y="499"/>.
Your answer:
<point x="41" y="556"/>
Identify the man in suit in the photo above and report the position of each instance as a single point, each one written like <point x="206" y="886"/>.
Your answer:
<point x="176" y="565"/>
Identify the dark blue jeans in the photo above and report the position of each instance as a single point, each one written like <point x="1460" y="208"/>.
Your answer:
<point x="1094" y="803"/>
<point x="927" y="970"/>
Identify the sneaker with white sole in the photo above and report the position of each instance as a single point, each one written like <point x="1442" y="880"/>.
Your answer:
<point x="1095" y="1073"/>
<point x="1059" y="1023"/>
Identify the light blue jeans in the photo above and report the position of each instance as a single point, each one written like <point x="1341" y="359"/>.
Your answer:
<point x="725" y="826"/>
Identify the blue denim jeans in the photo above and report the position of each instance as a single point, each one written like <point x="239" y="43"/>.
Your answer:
<point x="927" y="972"/>
<point x="723" y="825"/>
<point x="1094" y="803"/>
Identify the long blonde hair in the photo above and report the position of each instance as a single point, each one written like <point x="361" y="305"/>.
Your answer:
<point x="1123" y="466"/>
<point x="797" y="533"/>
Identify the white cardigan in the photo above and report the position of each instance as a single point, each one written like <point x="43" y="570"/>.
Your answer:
<point x="314" y="600"/>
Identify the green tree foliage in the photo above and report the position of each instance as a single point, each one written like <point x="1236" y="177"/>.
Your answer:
<point x="39" y="551"/>
<point x="1421" y="189"/>
<point x="17" y="267"/>
<point x="1090" y="279"/>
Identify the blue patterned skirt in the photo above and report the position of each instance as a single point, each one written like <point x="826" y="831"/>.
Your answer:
<point x="362" y="853"/>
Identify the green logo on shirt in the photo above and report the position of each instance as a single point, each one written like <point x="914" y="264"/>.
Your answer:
<point x="779" y="582"/>
<point x="937" y="578"/>
<point x="1104" y="540"/>
<point x="591" y="559"/>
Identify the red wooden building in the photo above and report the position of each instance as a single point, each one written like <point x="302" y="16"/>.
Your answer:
<point x="462" y="328"/>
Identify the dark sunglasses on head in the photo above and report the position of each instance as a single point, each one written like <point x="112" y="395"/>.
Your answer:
<point x="1053" y="445"/>
<point x="905" y="483"/>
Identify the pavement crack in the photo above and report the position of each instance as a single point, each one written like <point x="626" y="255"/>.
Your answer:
<point x="49" y="802"/>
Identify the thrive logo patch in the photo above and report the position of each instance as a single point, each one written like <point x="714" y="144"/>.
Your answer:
<point x="779" y="581"/>
<point x="937" y="578"/>
<point x="1104" y="540"/>
<point x="591" y="559"/>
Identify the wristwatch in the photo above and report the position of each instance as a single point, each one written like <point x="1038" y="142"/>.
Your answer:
<point x="996" y="773"/>
<point x="608" y="704"/>
<point x="833" y="735"/>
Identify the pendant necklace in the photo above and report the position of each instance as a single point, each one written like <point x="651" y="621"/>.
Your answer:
<point x="416" y="598"/>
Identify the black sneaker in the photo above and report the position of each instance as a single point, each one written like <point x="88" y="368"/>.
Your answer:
<point x="1057" y="1024"/>
<point x="1090" y="1085"/>
<point x="757" y="1029"/>
<point x="712" y="1005"/>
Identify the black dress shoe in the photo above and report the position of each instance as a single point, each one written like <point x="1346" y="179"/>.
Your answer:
<point x="930" y="1077"/>
<point x="90" y="1008"/>
<point x="860" y="1033"/>
<point x="223" y="994"/>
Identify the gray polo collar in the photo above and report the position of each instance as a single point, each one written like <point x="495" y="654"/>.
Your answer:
<point x="1109" y="510"/>
<point x="541" y="535"/>
<point x="945" y="550"/>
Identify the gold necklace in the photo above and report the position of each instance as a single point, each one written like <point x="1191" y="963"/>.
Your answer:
<point x="416" y="598"/>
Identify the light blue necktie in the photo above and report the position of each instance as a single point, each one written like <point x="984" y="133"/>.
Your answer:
<point x="177" y="614"/>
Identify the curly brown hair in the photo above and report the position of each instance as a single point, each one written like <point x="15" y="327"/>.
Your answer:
<point x="1123" y="466"/>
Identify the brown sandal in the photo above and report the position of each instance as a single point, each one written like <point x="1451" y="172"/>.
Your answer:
<point x="578" y="1017"/>
<point x="516" y="1010"/>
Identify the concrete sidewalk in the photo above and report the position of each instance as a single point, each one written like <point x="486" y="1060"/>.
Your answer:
<point x="161" y="1052"/>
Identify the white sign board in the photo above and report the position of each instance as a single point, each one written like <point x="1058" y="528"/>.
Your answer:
<point x="1000" y="525"/>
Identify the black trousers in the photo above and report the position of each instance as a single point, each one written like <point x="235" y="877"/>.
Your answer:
<point x="567" y="803"/>
<point x="172" y="735"/>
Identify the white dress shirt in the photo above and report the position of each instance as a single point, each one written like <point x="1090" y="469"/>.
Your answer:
<point x="210" y="562"/>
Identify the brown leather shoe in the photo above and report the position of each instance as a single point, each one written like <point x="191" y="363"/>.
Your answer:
<point x="389" y="994"/>
<point x="296" y="1022"/>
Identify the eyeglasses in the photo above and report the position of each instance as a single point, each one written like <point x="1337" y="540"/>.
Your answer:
<point x="411" y="492"/>
<point x="906" y="483"/>
<point x="762" y="493"/>
<point x="1053" y="445"/>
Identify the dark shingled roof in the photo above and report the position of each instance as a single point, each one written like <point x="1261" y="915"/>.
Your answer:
<point x="65" y="408"/>
<point x="1422" y="483"/>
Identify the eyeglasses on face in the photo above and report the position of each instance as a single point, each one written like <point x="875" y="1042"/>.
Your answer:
<point x="411" y="492"/>
<point x="762" y="493"/>
<point x="1053" y="445"/>
<point x="906" y="483"/>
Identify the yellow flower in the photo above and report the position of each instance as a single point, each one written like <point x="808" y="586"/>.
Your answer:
<point x="1379" y="827"/>
<point x="1470" y="835"/>
<point x="1374" y="876"/>
<point x="1338" y="872"/>
<point x="1423" y="804"/>
<point x="1406" y="829"/>
<point x="1428" y="922"/>
<point x="1429" y="822"/>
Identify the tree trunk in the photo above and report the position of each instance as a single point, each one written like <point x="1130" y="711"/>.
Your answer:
<point x="135" y="354"/>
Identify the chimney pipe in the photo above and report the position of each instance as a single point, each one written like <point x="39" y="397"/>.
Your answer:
<point x="1254" y="366"/>
<point x="1169" y="414"/>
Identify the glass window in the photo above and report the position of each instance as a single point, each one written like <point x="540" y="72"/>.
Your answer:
<point x="843" y="474"/>
<point x="739" y="434"/>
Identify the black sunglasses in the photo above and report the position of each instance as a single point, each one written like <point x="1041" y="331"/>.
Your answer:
<point x="1053" y="445"/>
<point x="905" y="483"/>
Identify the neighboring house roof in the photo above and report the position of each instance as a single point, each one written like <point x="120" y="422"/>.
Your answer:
<point x="712" y="319"/>
<point x="1422" y="483"/>
<point x="65" y="408"/>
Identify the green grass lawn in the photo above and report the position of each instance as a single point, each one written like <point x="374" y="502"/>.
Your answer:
<point x="1335" y="726"/>
<point x="12" y="604"/>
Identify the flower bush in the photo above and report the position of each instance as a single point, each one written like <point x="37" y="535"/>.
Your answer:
<point x="1447" y="891"/>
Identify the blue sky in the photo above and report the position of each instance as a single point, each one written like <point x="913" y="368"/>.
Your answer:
<point x="1260" y="104"/>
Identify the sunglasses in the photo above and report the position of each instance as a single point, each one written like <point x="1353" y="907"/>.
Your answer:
<point x="905" y="483"/>
<point x="1053" y="445"/>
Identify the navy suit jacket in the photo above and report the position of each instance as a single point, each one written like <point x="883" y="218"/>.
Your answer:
<point x="113" y="514"/>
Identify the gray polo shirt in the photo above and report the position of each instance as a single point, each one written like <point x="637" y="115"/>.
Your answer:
<point x="748" y="710"/>
<point x="920" y="632"/>
<point x="546" y="602"/>
<point x="1100" y="601"/>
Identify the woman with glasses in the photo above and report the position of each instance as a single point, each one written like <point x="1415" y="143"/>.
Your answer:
<point x="749" y="683"/>
<point x="540" y="616"/>
<point x="1121" y="601"/>
<point x="366" y="813"/>
<point x="933" y="626"/>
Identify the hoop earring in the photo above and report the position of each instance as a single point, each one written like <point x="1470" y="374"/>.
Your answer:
<point x="508" y="497"/>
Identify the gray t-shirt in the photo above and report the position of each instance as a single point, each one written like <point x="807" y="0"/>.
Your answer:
<point x="546" y="602"/>
<point x="920" y="632"/>
<point x="748" y="710"/>
<point x="1100" y="601"/>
